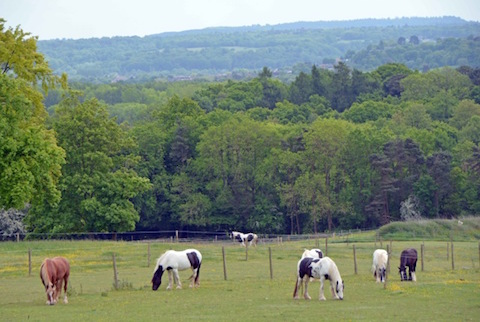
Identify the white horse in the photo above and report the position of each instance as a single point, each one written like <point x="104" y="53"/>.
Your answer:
<point x="242" y="238"/>
<point x="174" y="261"/>
<point x="379" y="266"/>
<point x="314" y="253"/>
<point x="319" y="268"/>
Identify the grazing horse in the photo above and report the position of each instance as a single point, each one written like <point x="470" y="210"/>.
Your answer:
<point x="174" y="261"/>
<point x="314" y="253"/>
<point x="53" y="272"/>
<point x="242" y="238"/>
<point x="319" y="268"/>
<point x="408" y="258"/>
<point x="379" y="266"/>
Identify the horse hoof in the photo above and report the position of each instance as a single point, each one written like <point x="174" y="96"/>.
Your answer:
<point x="322" y="298"/>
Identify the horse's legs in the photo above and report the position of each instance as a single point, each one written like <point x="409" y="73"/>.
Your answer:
<point x="306" y="279"/>
<point x="169" y="287"/>
<point x="58" y="290"/>
<point x="65" y="299"/>
<point x="377" y="275"/>
<point x="412" y="270"/>
<point x="321" y="296"/>
<point x="177" y="278"/>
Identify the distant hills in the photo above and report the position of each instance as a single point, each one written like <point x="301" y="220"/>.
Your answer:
<point x="240" y="52"/>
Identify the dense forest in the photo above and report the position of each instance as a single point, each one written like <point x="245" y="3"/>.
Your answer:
<point x="239" y="53"/>
<point x="332" y="149"/>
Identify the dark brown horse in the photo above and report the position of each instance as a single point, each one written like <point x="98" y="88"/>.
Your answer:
<point x="408" y="259"/>
<point x="53" y="272"/>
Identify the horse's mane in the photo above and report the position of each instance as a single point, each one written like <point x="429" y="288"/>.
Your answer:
<point x="333" y="272"/>
<point x="160" y="260"/>
<point x="44" y="272"/>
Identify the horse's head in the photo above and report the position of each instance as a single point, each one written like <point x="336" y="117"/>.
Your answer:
<point x="157" y="278"/>
<point x="383" y="273"/>
<point x="339" y="288"/>
<point x="50" y="290"/>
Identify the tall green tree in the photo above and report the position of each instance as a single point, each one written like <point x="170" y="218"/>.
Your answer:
<point x="98" y="181"/>
<point x="30" y="159"/>
<point x="324" y="145"/>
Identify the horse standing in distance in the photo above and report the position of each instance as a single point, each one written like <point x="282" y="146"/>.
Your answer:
<point x="319" y="268"/>
<point x="242" y="238"/>
<point x="53" y="272"/>
<point x="313" y="253"/>
<point x="174" y="261"/>
<point x="379" y="266"/>
<point x="408" y="258"/>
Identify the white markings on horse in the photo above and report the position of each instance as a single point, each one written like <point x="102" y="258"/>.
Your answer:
<point x="313" y="253"/>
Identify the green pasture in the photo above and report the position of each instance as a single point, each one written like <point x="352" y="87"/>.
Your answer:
<point x="248" y="294"/>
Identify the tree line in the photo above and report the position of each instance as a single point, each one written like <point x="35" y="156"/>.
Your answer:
<point x="241" y="52"/>
<point x="334" y="149"/>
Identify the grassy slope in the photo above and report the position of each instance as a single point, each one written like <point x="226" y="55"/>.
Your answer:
<point x="435" y="229"/>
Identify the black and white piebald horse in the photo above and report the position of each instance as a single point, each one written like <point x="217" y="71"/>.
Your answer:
<point x="174" y="261"/>
<point x="319" y="268"/>
<point x="243" y="239"/>
<point x="379" y="266"/>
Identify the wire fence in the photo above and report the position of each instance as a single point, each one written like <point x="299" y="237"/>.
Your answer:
<point x="162" y="235"/>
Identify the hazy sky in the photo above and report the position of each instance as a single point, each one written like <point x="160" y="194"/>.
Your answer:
<point x="49" y="19"/>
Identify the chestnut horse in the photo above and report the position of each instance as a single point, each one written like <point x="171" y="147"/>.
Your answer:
<point x="53" y="272"/>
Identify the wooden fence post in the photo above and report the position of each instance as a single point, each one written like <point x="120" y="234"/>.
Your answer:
<point x="270" y="259"/>
<point x="422" y="250"/>
<point x="148" y="255"/>
<point x="326" y="246"/>
<point x="224" y="263"/>
<point x="453" y="261"/>
<point x="176" y="236"/>
<point x="355" y="259"/>
<point x="29" y="262"/>
<point x="115" y="276"/>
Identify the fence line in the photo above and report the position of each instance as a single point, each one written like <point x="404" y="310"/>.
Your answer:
<point x="176" y="235"/>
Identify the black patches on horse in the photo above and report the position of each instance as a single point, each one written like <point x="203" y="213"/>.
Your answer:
<point x="194" y="260"/>
<point x="326" y="276"/>
<point x="249" y="237"/>
<point x="304" y="268"/>
<point x="320" y="254"/>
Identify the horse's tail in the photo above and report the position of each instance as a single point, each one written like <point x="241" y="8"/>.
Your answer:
<point x="197" y="277"/>
<point x="296" y="288"/>
<point x="295" y="291"/>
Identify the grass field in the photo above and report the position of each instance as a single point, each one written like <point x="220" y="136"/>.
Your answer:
<point x="248" y="293"/>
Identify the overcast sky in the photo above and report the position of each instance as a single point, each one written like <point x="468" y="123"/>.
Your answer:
<point x="50" y="19"/>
